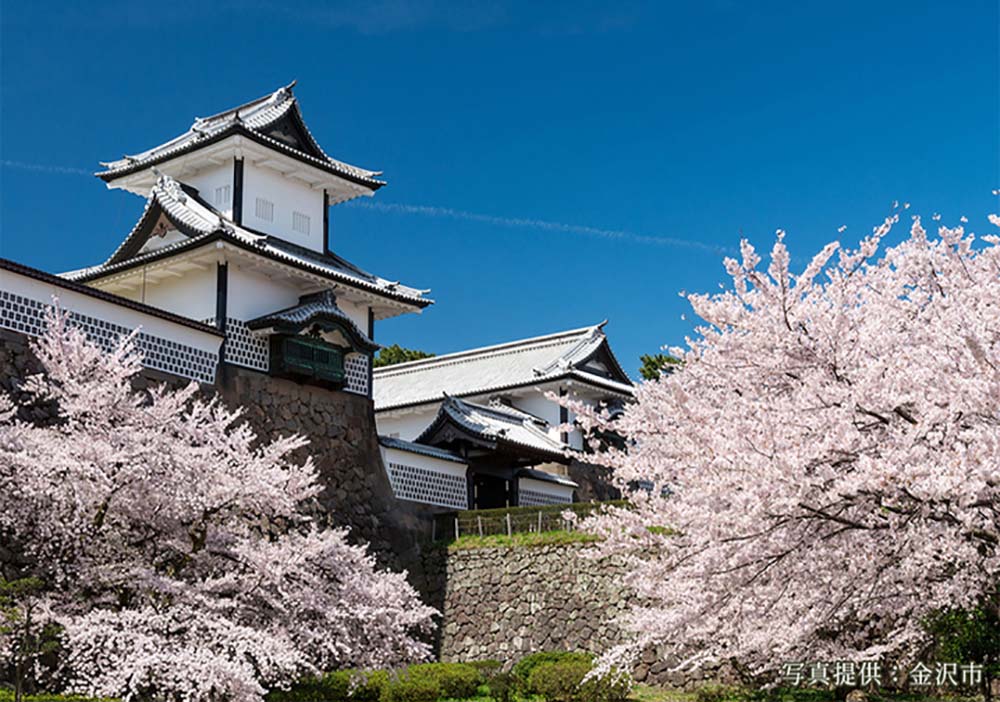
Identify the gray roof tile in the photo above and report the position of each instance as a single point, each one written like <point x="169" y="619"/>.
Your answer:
<point x="495" y="368"/>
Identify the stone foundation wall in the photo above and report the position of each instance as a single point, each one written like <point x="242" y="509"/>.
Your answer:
<point x="503" y="603"/>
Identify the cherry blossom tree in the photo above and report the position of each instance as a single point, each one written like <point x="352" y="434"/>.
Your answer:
<point x="175" y="546"/>
<point x="823" y="469"/>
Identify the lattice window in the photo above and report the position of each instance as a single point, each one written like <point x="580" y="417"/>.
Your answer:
<point x="244" y="348"/>
<point x="264" y="210"/>
<point x="428" y="486"/>
<point x="26" y="315"/>
<point x="534" y="498"/>
<point x="224" y="196"/>
<point x="356" y="367"/>
<point x="300" y="223"/>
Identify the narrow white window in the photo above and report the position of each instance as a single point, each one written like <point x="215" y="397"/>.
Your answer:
<point x="224" y="196"/>
<point x="264" y="210"/>
<point x="300" y="223"/>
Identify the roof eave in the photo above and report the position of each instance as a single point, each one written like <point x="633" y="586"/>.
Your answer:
<point x="111" y="175"/>
<point x="569" y="375"/>
<point x="219" y="235"/>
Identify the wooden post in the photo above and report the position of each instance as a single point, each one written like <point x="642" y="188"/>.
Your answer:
<point x="480" y="520"/>
<point x="434" y="524"/>
<point x="539" y="521"/>
<point x="456" y="527"/>
<point x="510" y="532"/>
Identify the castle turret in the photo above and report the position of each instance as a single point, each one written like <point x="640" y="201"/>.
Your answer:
<point x="236" y="230"/>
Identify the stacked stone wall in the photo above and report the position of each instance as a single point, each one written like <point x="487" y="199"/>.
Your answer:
<point x="504" y="603"/>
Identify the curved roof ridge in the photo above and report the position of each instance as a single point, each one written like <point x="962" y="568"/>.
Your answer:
<point x="495" y="349"/>
<point x="459" y="411"/>
<point x="263" y="98"/>
<point x="250" y="118"/>
<point x="508" y="414"/>
<point x="201" y="221"/>
<point x="322" y="304"/>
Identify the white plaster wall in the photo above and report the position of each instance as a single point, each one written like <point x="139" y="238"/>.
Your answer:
<point x="250" y="295"/>
<point x="191" y="296"/>
<point x="538" y="405"/>
<point x="206" y="181"/>
<point x="82" y="303"/>
<point x="392" y="455"/>
<point x="445" y="486"/>
<point x="357" y="312"/>
<point x="408" y="426"/>
<point x="563" y="492"/>
<point x="288" y="195"/>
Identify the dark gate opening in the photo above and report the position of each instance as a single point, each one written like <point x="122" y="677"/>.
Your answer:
<point x="489" y="492"/>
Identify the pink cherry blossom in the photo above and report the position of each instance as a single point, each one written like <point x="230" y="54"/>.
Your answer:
<point x="175" y="544"/>
<point x="827" y="457"/>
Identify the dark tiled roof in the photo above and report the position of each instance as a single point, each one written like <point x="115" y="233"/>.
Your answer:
<point x="311" y="309"/>
<point x="256" y="120"/>
<point x="422" y="449"/>
<point x="491" y="369"/>
<point x="203" y="224"/>
<point x="497" y="424"/>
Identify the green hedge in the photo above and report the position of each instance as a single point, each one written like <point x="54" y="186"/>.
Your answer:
<point x="523" y="668"/>
<point x="339" y="686"/>
<point x="427" y="682"/>
<point x="564" y="681"/>
<point x="555" y="675"/>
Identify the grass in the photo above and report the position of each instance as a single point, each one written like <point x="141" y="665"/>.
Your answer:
<point x="647" y="693"/>
<point x="521" y="540"/>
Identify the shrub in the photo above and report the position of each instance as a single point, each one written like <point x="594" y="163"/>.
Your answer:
<point x="457" y="680"/>
<point x="719" y="693"/>
<point x="502" y="686"/>
<point x="563" y="681"/>
<point x="338" y="686"/>
<point x="487" y="669"/>
<point x="522" y="669"/>
<point x="410" y="688"/>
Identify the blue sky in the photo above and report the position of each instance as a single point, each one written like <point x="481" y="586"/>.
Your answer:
<point x="551" y="164"/>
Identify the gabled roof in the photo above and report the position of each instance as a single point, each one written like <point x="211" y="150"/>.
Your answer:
<point x="273" y="120"/>
<point x="316" y="308"/>
<point x="493" y="427"/>
<point x="567" y="355"/>
<point x="203" y="224"/>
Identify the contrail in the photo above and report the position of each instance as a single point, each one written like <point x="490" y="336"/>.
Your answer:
<point x="540" y="224"/>
<point x="450" y="213"/>
<point x="41" y="168"/>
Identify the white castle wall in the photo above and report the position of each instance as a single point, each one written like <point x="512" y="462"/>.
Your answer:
<point x="166" y="345"/>
<point x="209" y="180"/>
<point x="191" y="296"/>
<point x="426" y="479"/>
<point x="288" y="196"/>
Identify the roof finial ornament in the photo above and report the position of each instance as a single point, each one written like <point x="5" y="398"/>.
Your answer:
<point x="169" y="186"/>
